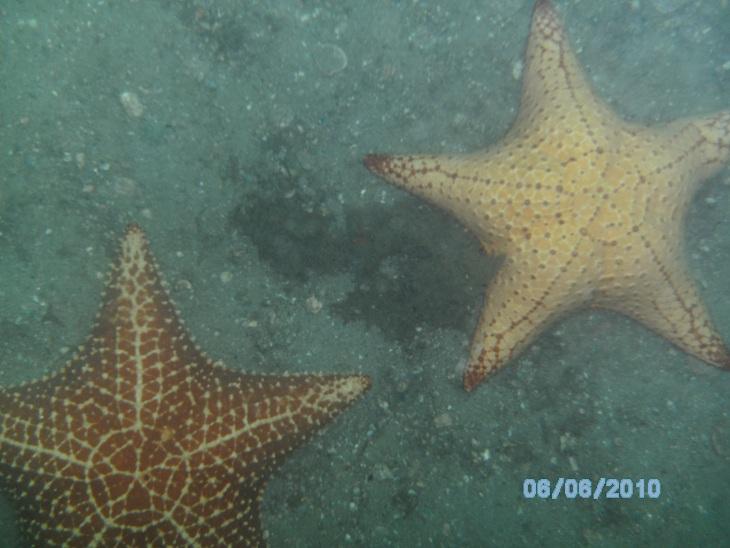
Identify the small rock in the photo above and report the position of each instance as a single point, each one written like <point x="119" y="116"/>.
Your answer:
<point x="444" y="420"/>
<point x="329" y="58"/>
<point x="314" y="305"/>
<point x="131" y="104"/>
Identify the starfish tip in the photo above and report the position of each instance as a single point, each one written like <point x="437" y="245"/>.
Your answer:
<point x="364" y="382"/>
<point x="470" y="381"/>
<point x="357" y="385"/>
<point x="133" y="228"/>
<point x="724" y="359"/>
<point x="351" y="387"/>
<point x="375" y="162"/>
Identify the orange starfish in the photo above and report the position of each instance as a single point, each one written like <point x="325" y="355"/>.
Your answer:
<point x="586" y="208"/>
<point x="142" y="440"/>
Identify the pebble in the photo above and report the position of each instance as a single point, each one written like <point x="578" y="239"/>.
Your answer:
<point x="124" y="186"/>
<point x="517" y="68"/>
<point x="329" y="58"/>
<point x="444" y="420"/>
<point x="131" y="104"/>
<point x="314" y="305"/>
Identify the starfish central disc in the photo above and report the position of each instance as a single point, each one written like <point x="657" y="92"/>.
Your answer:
<point x="135" y="479"/>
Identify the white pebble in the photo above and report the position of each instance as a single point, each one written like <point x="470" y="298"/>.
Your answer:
<point x="131" y="104"/>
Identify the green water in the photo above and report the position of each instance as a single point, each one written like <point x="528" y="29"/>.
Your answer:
<point x="245" y="170"/>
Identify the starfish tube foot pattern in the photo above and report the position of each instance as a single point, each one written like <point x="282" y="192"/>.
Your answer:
<point x="586" y="208"/>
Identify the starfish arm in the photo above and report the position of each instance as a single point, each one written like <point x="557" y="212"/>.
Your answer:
<point x="138" y="323"/>
<point x="51" y="430"/>
<point x="460" y="184"/>
<point x="443" y="180"/>
<point x="699" y="147"/>
<point x="266" y="418"/>
<point x="667" y="301"/>
<point x="555" y="92"/>
<point x="38" y="446"/>
<point x="518" y="307"/>
<point x="269" y="416"/>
